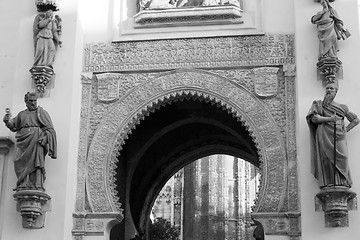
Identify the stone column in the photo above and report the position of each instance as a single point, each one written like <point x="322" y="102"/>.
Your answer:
<point x="5" y="145"/>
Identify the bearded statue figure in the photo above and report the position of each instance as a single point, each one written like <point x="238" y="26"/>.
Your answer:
<point x="323" y="117"/>
<point x="35" y="137"/>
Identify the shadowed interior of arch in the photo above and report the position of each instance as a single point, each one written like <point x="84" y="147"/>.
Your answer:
<point x="172" y="137"/>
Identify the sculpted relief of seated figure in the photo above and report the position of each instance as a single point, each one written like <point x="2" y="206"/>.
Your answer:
<point x="166" y="4"/>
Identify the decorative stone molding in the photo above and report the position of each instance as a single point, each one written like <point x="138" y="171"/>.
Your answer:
<point x="336" y="202"/>
<point x="188" y="16"/>
<point x="32" y="205"/>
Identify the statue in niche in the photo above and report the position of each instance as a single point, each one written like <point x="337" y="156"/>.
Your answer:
<point x="35" y="137"/>
<point x="165" y="4"/>
<point x="47" y="31"/>
<point x="330" y="30"/>
<point x="326" y="123"/>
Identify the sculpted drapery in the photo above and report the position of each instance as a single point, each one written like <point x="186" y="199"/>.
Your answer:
<point x="47" y="31"/>
<point x="35" y="137"/>
<point x="330" y="30"/>
<point x="322" y="144"/>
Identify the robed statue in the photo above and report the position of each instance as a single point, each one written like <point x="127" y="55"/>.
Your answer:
<point x="47" y="31"/>
<point x="330" y="30"/>
<point x="329" y="154"/>
<point x="35" y="138"/>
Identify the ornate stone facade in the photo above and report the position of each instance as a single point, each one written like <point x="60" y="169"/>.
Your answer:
<point x="250" y="77"/>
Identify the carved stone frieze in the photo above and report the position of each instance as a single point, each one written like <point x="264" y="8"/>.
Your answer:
<point x="227" y="52"/>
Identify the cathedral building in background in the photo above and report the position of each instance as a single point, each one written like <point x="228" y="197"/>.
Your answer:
<point x="210" y="198"/>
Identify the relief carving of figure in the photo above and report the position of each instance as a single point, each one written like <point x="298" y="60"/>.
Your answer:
<point x="165" y="4"/>
<point x="47" y="31"/>
<point x="330" y="30"/>
<point x="35" y="137"/>
<point x="322" y="117"/>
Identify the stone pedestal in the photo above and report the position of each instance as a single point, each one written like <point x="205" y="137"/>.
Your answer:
<point x="336" y="202"/>
<point x="32" y="205"/>
<point x="329" y="68"/>
<point x="42" y="77"/>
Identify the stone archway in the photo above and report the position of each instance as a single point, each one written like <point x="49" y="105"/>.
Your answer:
<point x="123" y="117"/>
<point x="114" y="104"/>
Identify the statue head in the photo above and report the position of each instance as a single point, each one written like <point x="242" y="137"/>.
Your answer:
<point x="330" y="93"/>
<point x="325" y="3"/>
<point x="49" y="13"/>
<point x="31" y="100"/>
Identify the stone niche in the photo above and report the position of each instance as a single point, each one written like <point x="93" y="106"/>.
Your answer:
<point x="251" y="77"/>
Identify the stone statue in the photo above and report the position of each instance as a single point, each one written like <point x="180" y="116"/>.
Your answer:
<point x="35" y="137"/>
<point x="330" y="30"/>
<point x="47" y="31"/>
<point x="322" y="117"/>
<point x="258" y="233"/>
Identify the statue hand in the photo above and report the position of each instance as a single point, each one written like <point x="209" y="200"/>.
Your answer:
<point x="6" y="118"/>
<point x="334" y="118"/>
<point x="42" y="141"/>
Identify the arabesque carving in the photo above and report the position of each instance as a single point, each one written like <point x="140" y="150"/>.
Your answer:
<point x="231" y="52"/>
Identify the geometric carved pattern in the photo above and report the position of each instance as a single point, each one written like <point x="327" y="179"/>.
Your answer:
<point x="228" y="80"/>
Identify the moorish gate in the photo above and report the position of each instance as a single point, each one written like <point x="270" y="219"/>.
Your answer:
<point x="151" y="107"/>
<point x="142" y="89"/>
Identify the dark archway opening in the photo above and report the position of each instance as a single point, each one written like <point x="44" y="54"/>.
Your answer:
<point x="179" y="132"/>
